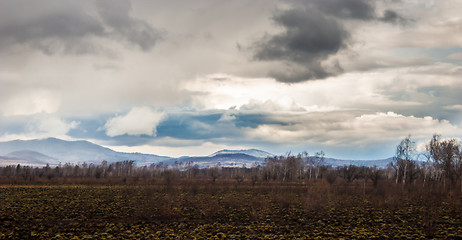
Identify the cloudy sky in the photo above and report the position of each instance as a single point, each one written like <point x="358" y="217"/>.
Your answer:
<point x="349" y="77"/>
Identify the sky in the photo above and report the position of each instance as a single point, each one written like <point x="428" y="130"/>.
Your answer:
<point x="349" y="77"/>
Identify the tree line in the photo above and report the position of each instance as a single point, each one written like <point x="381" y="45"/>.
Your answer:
<point x="440" y="162"/>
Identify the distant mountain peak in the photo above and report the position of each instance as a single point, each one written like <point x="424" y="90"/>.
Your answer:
<point x="251" y="152"/>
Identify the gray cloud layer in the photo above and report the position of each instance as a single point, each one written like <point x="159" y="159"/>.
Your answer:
<point x="395" y="76"/>
<point x="309" y="37"/>
<point x="68" y="26"/>
<point x="312" y="32"/>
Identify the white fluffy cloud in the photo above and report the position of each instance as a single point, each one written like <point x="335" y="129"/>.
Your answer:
<point x="139" y="121"/>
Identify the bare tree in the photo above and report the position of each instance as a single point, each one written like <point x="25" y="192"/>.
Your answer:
<point x="446" y="154"/>
<point x="405" y="165"/>
<point x="318" y="163"/>
<point x="350" y="172"/>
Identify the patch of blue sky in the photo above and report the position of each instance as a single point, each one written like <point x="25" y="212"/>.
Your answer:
<point x="438" y="54"/>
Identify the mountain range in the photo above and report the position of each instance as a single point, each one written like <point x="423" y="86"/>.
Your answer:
<point x="58" y="150"/>
<point x="53" y="151"/>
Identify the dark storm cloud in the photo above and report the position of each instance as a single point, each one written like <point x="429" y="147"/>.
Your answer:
<point x="308" y="38"/>
<point x="67" y="26"/>
<point x="312" y="32"/>
<point x="308" y="35"/>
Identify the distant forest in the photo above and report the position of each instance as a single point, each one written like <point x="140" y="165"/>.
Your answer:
<point x="441" y="164"/>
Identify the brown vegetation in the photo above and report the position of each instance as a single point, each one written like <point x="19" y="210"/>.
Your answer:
<point x="286" y="197"/>
<point x="186" y="208"/>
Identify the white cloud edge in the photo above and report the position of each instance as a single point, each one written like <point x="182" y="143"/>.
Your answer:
<point x="138" y="121"/>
